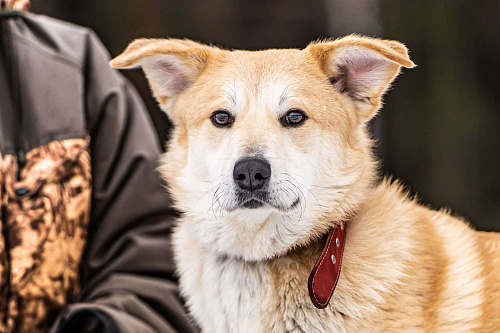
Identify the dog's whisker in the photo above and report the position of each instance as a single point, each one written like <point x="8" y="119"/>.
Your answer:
<point x="314" y="195"/>
<point x="210" y="190"/>
<point x="215" y="194"/>
<point x="216" y="198"/>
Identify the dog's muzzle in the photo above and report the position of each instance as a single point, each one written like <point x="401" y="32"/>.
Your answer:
<point x="251" y="175"/>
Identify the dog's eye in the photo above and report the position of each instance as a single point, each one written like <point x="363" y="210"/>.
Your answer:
<point x="221" y="118"/>
<point x="293" y="117"/>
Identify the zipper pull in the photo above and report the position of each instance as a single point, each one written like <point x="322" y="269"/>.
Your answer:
<point x="21" y="162"/>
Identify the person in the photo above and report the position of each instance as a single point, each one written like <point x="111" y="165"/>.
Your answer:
<point x="84" y="217"/>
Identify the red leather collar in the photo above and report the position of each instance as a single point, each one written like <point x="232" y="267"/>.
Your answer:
<point x="326" y="272"/>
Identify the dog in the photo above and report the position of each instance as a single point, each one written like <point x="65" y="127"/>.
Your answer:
<point x="286" y="225"/>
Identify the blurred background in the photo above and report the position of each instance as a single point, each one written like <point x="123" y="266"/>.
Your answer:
<point x="440" y="128"/>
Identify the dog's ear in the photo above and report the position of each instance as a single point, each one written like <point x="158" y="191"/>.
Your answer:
<point x="361" y="68"/>
<point x="171" y="65"/>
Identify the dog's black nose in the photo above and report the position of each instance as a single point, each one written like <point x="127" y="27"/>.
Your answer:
<point x="251" y="173"/>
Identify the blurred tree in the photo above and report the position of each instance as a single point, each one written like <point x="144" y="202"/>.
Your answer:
<point x="355" y="16"/>
<point x="439" y="127"/>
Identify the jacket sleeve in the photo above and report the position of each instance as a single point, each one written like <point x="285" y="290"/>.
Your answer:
<point x="127" y="269"/>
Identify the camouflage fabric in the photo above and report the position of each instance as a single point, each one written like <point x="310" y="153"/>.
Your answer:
<point x="44" y="217"/>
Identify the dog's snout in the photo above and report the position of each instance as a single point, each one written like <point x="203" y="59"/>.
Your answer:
<point x="251" y="173"/>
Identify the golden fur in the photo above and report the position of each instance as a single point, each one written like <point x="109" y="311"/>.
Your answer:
<point x="406" y="268"/>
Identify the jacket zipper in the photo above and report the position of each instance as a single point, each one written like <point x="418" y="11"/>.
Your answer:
<point x="16" y="98"/>
<point x="12" y="60"/>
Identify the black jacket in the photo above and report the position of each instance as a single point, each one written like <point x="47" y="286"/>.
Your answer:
<point x="56" y="88"/>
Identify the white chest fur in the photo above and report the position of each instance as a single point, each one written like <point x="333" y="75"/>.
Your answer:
<point x="236" y="296"/>
<point x="223" y="294"/>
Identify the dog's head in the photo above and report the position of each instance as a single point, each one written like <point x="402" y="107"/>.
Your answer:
<point x="270" y="148"/>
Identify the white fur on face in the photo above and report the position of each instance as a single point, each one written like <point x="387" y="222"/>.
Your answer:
<point x="306" y="169"/>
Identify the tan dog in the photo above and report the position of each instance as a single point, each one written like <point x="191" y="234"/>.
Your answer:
<point x="270" y="152"/>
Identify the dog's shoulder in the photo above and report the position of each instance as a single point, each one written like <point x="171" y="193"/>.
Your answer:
<point x="452" y="279"/>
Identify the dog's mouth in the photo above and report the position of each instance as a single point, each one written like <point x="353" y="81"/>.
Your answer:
<point x="252" y="200"/>
<point x="256" y="201"/>
<point x="282" y="200"/>
<point x="253" y="203"/>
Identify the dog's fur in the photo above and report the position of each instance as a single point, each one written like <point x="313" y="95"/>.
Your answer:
<point x="406" y="268"/>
